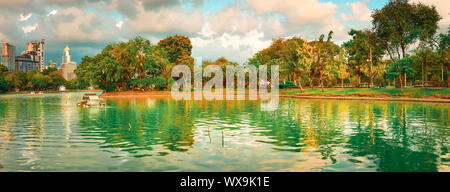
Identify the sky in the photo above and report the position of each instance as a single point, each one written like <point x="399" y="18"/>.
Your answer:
<point x="235" y="29"/>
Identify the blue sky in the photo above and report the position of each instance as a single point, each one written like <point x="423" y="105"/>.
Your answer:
<point x="235" y="29"/>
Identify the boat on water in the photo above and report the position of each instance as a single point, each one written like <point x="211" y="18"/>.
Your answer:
<point x="90" y="99"/>
<point x="36" y="94"/>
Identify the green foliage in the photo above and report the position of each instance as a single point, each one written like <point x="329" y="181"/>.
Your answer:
<point x="436" y="80"/>
<point x="400" y="23"/>
<point x="38" y="81"/>
<point x="176" y="46"/>
<point x="159" y="82"/>
<point x="3" y="69"/>
<point x="3" y="84"/>
<point x="136" y="64"/>
<point x="33" y="80"/>
<point x="287" y="84"/>
<point x="49" y="70"/>
<point x="399" y="66"/>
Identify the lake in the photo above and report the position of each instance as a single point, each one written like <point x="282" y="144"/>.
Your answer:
<point x="49" y="133"/>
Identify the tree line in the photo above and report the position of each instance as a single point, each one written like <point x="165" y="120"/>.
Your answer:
<point x="402" y="46"/>
<point x="48" y="79"/>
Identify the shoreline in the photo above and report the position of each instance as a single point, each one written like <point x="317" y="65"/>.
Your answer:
<point x="370" y="98"/>
<point x="50" y="91"/>
<point x="333" y="97"/>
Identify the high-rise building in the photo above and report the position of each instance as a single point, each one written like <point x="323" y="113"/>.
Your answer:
<point x="25" y="63"/>
<point x="8" y="57"/>
<point x="67" y="65"/>
<point x="36" y="50"/>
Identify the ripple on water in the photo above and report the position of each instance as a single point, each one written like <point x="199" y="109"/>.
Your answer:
<point x="49" y="133"/>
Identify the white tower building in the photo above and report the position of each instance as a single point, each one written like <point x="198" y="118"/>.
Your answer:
<point x="67" y="65"/>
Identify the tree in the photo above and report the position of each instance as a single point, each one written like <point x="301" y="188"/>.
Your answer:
<point x="3" y="69"/>
<point x="290" y="54"/>
<point x="21" y="80"/>
<point x="400" y="23"/>
<point x="444" y="52"/>
<point x="342" y="70"/>
<point x="11" y="80"/>
<point x="302" y="67"/>
<point x="176" y="46"/>
<point x="400" y="66"/>
<point x="365" y="51"/>
<point x="424" y="56"/>
<point x="48" y="70"/>
<point x="83" y="73"/>
<point x="3" y="83"/>
<point x="38" y="81"/>
<point x="323" y="59"/>
<point x="56" y="80"/>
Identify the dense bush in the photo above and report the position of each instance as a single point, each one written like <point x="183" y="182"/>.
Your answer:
<point x="287" y="84"/>
<point x="148" y="83"/>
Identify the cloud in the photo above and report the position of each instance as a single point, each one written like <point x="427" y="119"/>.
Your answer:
<point x="360" y="12"/>
<point x="53" y="12"/>
<point x="165" y="20"/>
<point x="443" y="8"/>
<point x="119" y="24"/>
<point x="306" y="11"/>
<point x="14" y="2"/>
<point x="29" y="28"/>
<point x="233" y="46"/>
<point x="25" y="17"/>
<point x="74" y="24"/>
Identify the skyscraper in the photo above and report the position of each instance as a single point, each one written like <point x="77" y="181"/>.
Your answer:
<point x="8" y="57"/>
<point x="67" y="65"/>
<point x="36" y="50"/>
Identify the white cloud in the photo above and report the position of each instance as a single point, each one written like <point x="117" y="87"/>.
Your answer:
<point x="173" y="19"/>
<point x="306" y="11"/>
<point x="74" y="24"/>
<point x="443" y="8"/>
<point x="252" y="40"/>
<point x="360" y="12"/>
<point x="29" y="28"/>
<point x="232" y="46"/>
<point x="25" y="17"/>
<point x="53" y="12"/>
<point x="200" y="42"/>
<point x="119" y="24"/>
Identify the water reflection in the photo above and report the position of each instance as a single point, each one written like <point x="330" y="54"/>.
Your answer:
<point x="160" y="134"/>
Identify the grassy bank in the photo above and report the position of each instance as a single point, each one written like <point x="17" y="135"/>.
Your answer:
<point x="426" y="93"/>
<point x="416" y="93"/>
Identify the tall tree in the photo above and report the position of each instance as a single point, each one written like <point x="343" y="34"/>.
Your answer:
<point x="365" y="51"/>
<point x="342" y="67"/>
<point x="444" y="52"/>
<point x="302" y="67"/>
<point x="324" y="52"/>
<point x="400" y="23"/>
<point x="176" y="46"/>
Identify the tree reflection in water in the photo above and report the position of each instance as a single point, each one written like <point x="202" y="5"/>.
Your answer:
<point x="389" y="136"/>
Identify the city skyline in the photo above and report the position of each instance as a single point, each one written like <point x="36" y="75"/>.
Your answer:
<point x="235" y="29"/>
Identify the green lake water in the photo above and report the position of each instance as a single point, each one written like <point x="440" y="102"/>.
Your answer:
<point x="49" y="133"/>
